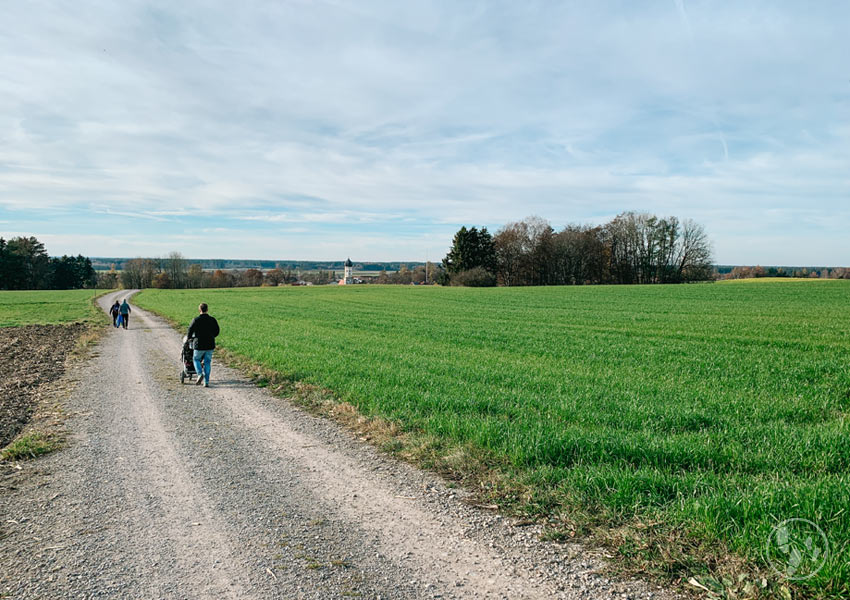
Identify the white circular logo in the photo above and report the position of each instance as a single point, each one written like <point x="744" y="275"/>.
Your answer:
<point x="796" y="549"/>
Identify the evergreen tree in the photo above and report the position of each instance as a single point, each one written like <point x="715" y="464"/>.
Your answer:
<point x="71" y="272"/>
<point x="4" y="266"/>
<point x="29" y="264"/>
<point x="25" y="265"/>
<point x="471" y="248"/>
<point x="485" y="251"/>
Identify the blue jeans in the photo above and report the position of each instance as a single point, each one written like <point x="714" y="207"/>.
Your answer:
<point x="206" y="356"/>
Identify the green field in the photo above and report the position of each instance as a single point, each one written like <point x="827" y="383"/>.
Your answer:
<point x="710" y="412"/>
<point x="43" y="307"/>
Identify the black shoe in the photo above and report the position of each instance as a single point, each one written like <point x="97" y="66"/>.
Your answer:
<point x="200" y="380"/>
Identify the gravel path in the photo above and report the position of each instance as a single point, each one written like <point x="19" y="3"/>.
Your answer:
<point x="177" y="491"/>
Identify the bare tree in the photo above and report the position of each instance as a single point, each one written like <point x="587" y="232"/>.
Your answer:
<point x="175" y="267"/>
<point x="694" y="256"/>
<point x="131" y="274"/>
<point x="578" y="256"/>
<point x="276" y="276"/>
<point x="510" y="243"/>
<point x="195" y="276"/>
<point x="251" y="278"/>
<point x="523" y="252"/>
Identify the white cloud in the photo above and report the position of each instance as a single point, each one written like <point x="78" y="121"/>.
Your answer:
<point x="329" y="114"/>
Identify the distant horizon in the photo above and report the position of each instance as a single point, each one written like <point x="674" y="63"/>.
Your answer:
<point x="266" y="260"/>
<point x="422" y="262"/>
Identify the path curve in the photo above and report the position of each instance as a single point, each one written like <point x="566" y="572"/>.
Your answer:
<point x="177" y="491"/>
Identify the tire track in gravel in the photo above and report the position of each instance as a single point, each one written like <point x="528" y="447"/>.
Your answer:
<point x="124" y="518"/>
<point x="156" y="466"/>
<point x="175" y="491"/>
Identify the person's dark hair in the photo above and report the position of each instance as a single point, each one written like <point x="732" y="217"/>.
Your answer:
<point x="203" y="307"/>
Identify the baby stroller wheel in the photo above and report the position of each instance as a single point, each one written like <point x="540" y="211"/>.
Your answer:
<point x="182" y="376"/>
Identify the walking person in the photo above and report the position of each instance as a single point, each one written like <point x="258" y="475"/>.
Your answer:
<point x="204" y="329"/>
<point x="124" y="310"/>
<point x="113" y="311"/>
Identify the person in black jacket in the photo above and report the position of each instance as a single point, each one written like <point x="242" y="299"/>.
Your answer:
<point x="114" y="312"/>
<point x="203" y="332"/>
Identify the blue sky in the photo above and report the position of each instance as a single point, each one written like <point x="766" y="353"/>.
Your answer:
<point x="321" y="130"/>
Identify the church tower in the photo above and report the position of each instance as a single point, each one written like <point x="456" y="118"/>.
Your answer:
<point x="348" y="277"/>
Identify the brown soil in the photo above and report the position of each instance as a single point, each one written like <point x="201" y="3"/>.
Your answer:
<point x="30" y="358"/>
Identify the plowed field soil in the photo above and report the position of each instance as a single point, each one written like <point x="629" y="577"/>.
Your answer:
<point x="30" y="358"/>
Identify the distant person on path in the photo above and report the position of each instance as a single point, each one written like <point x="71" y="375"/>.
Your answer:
<point x="204" y="329"/>
<point x="125" y="313"/>
<point x="113" y="311"/>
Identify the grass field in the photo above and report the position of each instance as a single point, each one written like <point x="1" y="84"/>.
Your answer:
<point x="705" y="414"/>
<point x="44" y="307"/>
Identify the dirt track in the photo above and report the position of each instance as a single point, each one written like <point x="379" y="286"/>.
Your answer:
<point x="175" y="491"/>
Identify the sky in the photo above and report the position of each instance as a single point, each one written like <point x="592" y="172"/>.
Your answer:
<point x="319" y="130"/>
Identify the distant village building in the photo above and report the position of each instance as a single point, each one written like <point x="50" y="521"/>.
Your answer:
<point x="348" y="275"/>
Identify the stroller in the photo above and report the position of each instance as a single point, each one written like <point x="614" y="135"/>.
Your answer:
<point x="187" y="359"/>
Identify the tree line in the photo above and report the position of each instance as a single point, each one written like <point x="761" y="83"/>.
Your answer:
<point x="211" y="265"/>
<point x="420" y="274"/>
<point x="743" y="272"/>
<point x="176" y="272"/>
<point x="25" y="265"/>
<point x="631" y="248"/>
